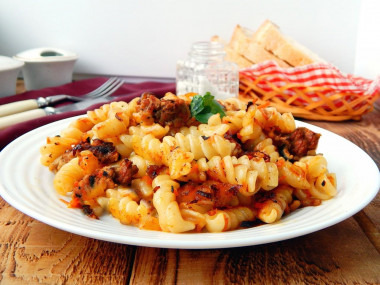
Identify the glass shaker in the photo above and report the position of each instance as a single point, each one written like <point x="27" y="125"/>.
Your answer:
<point x="205" y="70"/>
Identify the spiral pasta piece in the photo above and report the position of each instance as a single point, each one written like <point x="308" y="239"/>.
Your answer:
<point x="234" y="104"/>
<point x="234" y="120"/>
<point x="107" y="111"/>
<point x="272" y="206"/>
<point x="259" y="118"/>
<point x="213" y="127"/>
<point x="56" y="146"/>
<point x="250" y="129"/>
<point x="111" y="127"/>
<point x="100" y="114"/>
<point x="77" y="129"/>
<point x="322" y="183"/>
<point x="201" y="146"/>
<point x="143" y="188"/>
<point x="126" y="206"/>
<point x="122" y="144"/>
<point x="73" y="171"/>
<point x="266" y="146"/>
<point x="251" y="174"/>
<point x="270" y="117"/>
<point x="324" y="187"/>
<point x="155" y="130"/>
<point x="164" y="200"/>
<point x="292" y="174"/>
<point x="229" y="219"/>
<point x="150" y="148"/>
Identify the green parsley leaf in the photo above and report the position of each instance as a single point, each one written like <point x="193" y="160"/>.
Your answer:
<point x="203" y="107"/>
<point x="196" y="105"/>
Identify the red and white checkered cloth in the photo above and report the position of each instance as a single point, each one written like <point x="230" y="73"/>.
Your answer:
<point x="312" y="75"/>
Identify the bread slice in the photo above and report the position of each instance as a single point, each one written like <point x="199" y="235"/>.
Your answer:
<point x="247" y="47"/>
<point x="235" y="47"/>
<point x="270" y="37"/>
<point x="240" y="39"/>
<point x="256" y="53"/>
<point x="244" y="52"/>
<point x="239" y="59"/>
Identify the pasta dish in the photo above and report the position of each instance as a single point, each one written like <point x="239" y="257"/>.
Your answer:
<point x="188" y="163"/>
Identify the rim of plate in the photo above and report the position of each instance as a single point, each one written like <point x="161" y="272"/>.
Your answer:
<point x="295" y="224"/>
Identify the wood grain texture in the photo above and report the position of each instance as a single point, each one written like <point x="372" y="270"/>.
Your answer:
<point x="336" y="255"/>
<point x="35" y="253"/>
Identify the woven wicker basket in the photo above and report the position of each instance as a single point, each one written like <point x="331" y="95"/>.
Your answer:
<point x="313" y="103"/>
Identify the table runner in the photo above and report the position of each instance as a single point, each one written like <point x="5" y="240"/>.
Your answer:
<point x="126" y="92"/>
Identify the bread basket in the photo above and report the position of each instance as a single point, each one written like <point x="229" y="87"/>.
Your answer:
<point x="315" y="92"/>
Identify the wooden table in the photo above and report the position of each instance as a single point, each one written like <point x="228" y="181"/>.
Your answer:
<point x="346" y="253"/>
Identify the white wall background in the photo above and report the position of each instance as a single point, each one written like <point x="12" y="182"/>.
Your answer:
<point x="145" y="38"/>
<point x="367" y="60"/>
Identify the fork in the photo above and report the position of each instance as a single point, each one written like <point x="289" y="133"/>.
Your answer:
<point x="106" y="89"/>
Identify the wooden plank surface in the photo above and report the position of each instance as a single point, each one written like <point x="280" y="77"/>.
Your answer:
<point x="337" y="255"/>
<point x="33" y="252"/>
<point x="347" y="253"/>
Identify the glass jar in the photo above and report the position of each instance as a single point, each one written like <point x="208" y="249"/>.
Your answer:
<point x="205" y="70"/>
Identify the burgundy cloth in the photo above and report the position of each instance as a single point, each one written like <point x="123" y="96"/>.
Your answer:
<point x="126" y="92"/>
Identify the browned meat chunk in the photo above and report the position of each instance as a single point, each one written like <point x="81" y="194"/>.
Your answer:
<point x="94" y="184"/>
<point x="297" y="144"/>
<point x="174" y="112"/>
<point x="214" y="194"/>
<point x="148" y="106"/>
<point x="104" y="151"/>
<point x="303" y="140"/>
<point x="124" y="172"/>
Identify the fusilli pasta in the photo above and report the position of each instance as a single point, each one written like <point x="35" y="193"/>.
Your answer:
<point x="151" y="164"/>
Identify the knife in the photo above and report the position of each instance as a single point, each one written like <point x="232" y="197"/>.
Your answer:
<point x="29" y="104"/>
<point x="37" y="113"/>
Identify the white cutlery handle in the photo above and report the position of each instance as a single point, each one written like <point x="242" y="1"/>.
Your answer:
<point x="21" y="117"/>
<point x="17" y="107"/>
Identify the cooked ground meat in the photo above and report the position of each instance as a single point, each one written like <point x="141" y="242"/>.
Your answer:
<point x="124" y="172"/>
<point x="104" y="151"/>
<point x="174" y="112"/>
<point x="148" y="105"/>
<point x="94" y="184"/>
<point x="297" y="144"/>
<point x="303" y="140"/>
<point x="214" y="194"/>
<point x="89" y="188"/>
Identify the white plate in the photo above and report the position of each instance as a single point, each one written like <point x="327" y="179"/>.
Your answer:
<point x="28" y="186"/>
